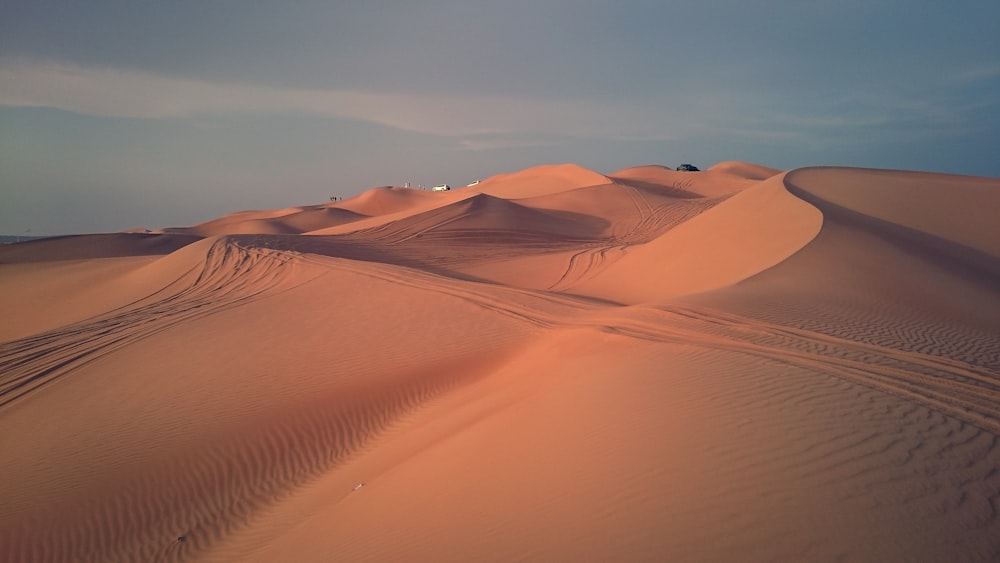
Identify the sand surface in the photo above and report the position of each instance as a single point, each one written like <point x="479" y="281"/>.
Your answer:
<point x="739" y="364"/>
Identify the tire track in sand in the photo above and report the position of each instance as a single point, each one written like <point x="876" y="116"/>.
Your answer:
<point x="230" y="275"/>
<point x="652" y="222"/>
<point x="969" y="392"/>
<point x="965" y="390"/>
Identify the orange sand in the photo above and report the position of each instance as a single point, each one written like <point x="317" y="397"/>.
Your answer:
<point x="740" y="364"/>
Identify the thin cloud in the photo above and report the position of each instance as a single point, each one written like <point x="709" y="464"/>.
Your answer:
<point x="486" y="122"/>
<point x="977" y="73"/>
<point x="493" y="142"/>
<point x="110" y="92"/>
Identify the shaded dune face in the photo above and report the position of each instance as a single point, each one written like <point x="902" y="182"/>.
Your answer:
<point x="553" y="364"/>
<point x="82" y="247"/>
<point x="290" y="221"/>
<point x="493" y="218"/>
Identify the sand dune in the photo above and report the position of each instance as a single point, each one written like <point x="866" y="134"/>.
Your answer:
<point x="540" y="180"/>
<point x="748" y="233"/>
<point x="296" y="220"/>
<point x="81" y="247"/>
<point x="745" y="170"/>
<point x="385" y="200"/>
<point x="725" y="178"/>
<point x="554" y="364"/>
<point x="912" y="200"/>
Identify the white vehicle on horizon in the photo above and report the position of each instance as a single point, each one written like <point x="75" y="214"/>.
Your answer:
<point x="441" y="188"/>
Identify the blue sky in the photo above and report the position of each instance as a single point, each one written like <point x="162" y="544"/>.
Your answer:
<point x="119" y="114"/>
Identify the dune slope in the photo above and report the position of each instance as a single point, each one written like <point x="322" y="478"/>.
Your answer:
<point x="554" y="364"/>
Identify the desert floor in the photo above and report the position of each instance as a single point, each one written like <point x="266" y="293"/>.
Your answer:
<point x="738" y="364"/>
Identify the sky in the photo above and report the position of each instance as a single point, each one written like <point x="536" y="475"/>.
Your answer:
<point x="123" y="114"/>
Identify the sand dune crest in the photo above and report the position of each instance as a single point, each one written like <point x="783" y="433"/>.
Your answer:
<point x="540" y="180"/>
<point x="961" y="209"/>
<point x="748" y="233"/>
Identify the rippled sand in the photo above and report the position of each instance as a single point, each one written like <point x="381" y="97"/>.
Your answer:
<point x="738" y="364"/>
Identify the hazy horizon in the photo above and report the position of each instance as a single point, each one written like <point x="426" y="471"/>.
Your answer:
<point x="115" y="115"/>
